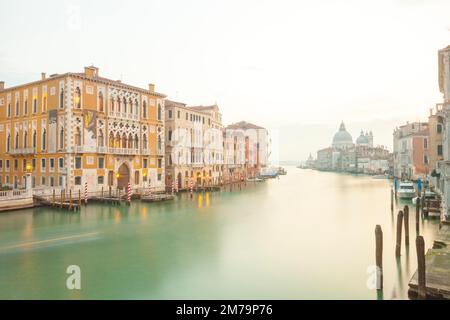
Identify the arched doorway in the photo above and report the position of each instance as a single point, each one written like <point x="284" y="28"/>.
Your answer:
<point x="124" y="176"/>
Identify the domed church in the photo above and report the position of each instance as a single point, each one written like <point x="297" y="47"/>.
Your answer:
<point x="365" y="139"/>
<point x="342" y="139"/>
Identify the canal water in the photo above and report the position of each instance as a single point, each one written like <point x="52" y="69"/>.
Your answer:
<point x="306" y="235"/>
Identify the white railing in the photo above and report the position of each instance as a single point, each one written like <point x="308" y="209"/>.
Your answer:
<point x="46" y="191"/>
<point x="22" y="151"/>
<point x="102" y="149"/>
<point x="145" y="151"/>
<point x="15" y="194"/>
<point x="78" y="149"/>
<point x="124" y="115"/>
<point x="123" y="151"/>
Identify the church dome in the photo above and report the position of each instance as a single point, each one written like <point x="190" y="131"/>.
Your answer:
<point x="362" y="139"/>
<point x="342" y="138"/>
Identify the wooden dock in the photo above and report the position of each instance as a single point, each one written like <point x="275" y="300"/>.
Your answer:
<point x="157" y="197"/>
<point x="107" y="199"/>
<point x="437" y="268"/>
<point x="58" y="203"/>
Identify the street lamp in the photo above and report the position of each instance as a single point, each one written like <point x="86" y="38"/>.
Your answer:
<point x="28" y="168"/>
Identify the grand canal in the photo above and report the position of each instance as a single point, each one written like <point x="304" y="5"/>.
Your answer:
<point x="307" y="235"/>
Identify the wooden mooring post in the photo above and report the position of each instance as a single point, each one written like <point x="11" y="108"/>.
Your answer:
<point x="110" y="191"/>
<point x="70" y="200"/>
<point x="417" y="215"/>
<point x="398" y="244"/>
<point x="379" y="256"/>
<point x="420" y="247"/>
<point x="406" y="221"/>
<point x="79" y="198"/>
<point x="53" y="199"/>
<point x="61" y="198"/>
<point x="102" y="192"/>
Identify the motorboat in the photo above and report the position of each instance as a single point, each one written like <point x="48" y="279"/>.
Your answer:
<point x="255" y="180"/>
<point x="406" y="190"/>
<point x="269" y="173"/>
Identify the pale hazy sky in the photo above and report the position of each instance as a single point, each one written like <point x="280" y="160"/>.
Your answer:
<point x="297" y="66"/>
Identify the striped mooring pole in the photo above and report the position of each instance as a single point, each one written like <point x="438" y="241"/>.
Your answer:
<point x="191" y="187"/>
<point x="85" y="193"/>
<point x="129" y="193"/>
<point x="173" y="187"/>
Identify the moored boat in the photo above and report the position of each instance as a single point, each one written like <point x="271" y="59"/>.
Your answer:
<point x="406" y="190"/>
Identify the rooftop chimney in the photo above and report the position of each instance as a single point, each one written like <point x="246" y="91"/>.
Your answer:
<point x="2" y="85"/>
<point x="91" y="71"/>
<point x="42" y="75"/>
<point x="151" y="87"/>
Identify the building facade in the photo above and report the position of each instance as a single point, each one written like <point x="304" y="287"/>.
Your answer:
<point x="411" y="151"/>
<point x="435" y="131"/>
<point x="246" y="150"/>
<point x="194" y="145"/>
<point x="77" y="128"/>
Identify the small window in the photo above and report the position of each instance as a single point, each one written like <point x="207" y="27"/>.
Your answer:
<point x="78" y="181"/>
<point x="43" y="164"/>
<point x="52" y="163"/>
<point x="439" y="150"/>
<point x="52" y="182"/>
<point x="1" y="164"/>
<point x="43" y="181"/>
<point x="425" y="143"/>
<point x="159" y="176"/>
<point x="178" y="114"/>
<point x="78" y="163"/>
<point x="100" y="179"/>
<point x="439" y="128"/>
<point x="61" y="162"/>
<point x="144" y="163"/>
<point x="170" y="114"/>
<point x="101" y="163"/>
<point x="159" y="163"/>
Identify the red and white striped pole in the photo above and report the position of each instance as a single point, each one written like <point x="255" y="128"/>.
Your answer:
<point x="85" y="193"/>
<point x="129" y="193"/>
<point x="173" y="187"/>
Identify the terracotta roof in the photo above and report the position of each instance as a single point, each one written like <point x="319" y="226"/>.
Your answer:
<point x="116" y="83"/>
<point x="243" y="125"/>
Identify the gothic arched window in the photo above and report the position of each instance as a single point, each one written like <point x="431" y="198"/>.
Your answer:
<point x="100" y="101"/>
<point x="78" y="98"/>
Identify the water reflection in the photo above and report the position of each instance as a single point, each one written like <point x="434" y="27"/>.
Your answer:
<point x="271" y="240"/>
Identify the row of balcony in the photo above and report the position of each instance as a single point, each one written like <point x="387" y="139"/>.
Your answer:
<point x="124" y="151"/>
<point x="20" y="151"/>
<point x="124" y="115"/>
<point x="86" y="149"/>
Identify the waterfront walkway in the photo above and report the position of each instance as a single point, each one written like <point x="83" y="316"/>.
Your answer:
<point x="437" y="268"/>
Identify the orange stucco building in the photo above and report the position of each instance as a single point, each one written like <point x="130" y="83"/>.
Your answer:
<point x="77" y="128"/>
